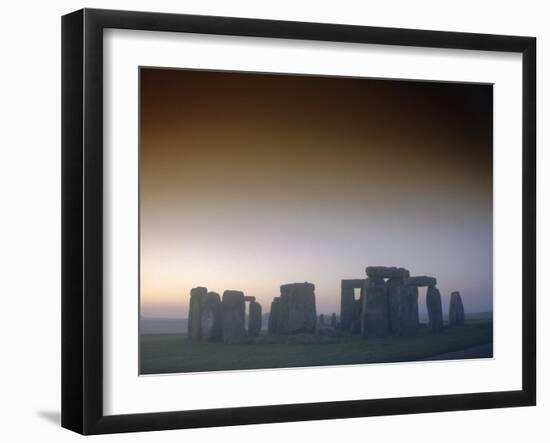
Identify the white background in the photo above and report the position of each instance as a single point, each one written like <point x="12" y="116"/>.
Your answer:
<point x="30" y="222"/>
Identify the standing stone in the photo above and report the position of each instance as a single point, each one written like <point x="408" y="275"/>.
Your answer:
<point x="282" y="317"/>
<point x="195" y="308"/>
<point x="375" y="313"/>
<point x="413" y="306"/>
<point x="274" y="313"/>
<point x="298" y="303"/>
<point x="254" y="319"/>
<point x="294" y="310"/>
<point x="211" y="317"/>
<point x="322" y="319"/>
<point x="357" y="308"/>
<point x="435" y="299"/>
<point x="333" y="322"/>
<point x="350" y="308"/>
<point x="403" y="305"/>
<point x="456" y="310"/>
<point x="233" y="317"/>
<point x="435" y="310"/>
<point x="346" y="305"/>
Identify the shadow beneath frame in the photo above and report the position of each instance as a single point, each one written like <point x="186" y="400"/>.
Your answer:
<point x="53" y="417"/>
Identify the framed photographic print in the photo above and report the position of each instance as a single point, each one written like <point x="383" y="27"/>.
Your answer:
<point x="270" y="221"/>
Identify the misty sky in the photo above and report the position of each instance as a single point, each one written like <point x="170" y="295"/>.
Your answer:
<point x="250" y="181"/>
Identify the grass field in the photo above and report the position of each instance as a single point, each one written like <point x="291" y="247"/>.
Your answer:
<point x="160" y="354"/>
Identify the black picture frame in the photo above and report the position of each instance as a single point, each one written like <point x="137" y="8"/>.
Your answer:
<point x="82" y="218"/>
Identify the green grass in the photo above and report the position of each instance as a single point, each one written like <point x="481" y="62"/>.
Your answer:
<point x="174" y="353"/>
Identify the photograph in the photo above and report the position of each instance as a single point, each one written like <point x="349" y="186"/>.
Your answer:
<point x="296" y="220"/>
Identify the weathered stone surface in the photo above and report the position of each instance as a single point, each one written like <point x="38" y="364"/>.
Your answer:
<point x="322" y="319"/>
<point x="435" y="310"/>
<point x="278" y="317"/>
<point x="282" y="319"/>
<point x="388" y="303"/>
<point x="403" y="307"/>
<point x="375" y="312"/>
<point x="421" y="280"/>
<point x="386" y="272"/>
<point x="456" y="310"/>
<point x="254" y="319"/>
<point x="349" y="314"/>
<point x="356" y="319"/>
<point x="195" y="309"/>
<point x="298" y="304"/>
<point x="294" y="311"/>
<point x="333" y="321"/>
<point x="211" y="317"/>
<point x="413" y="305"/>
<point x="274" y="314"/>
<point x="249" y="298"/>
<point x="233" y="317"/>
